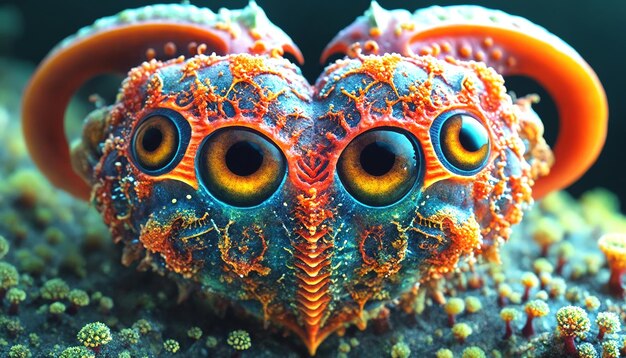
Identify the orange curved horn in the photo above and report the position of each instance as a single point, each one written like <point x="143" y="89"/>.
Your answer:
<point x="116" y="44"/>
<point x="513" y="46"/>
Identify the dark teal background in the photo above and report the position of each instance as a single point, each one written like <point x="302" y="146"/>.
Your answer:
<point x="596" y="29"/>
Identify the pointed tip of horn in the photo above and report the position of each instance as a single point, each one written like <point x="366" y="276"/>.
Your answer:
<point x="377" y="24"/>
<point x="374" y="8"/>
<point x="377" y="15"/>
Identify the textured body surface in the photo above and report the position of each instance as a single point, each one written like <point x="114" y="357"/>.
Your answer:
<point x="310" y="245"/>
<point x="314" y="232"/>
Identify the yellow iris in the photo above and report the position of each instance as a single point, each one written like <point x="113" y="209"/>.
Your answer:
<point x="241" y="167"/>
<point x="379" y="167"/>
<point x="464" y="142"/>
<point x="156" y="142"/>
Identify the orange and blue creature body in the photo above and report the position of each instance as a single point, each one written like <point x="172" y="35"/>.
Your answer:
<point x="309" y="205"/>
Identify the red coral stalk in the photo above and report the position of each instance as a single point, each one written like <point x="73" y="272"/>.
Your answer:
<point x="615" y="283"/>
<point x="508" y="332"/>
<point x="528" y="329"/>
<point x="570" y="346"/>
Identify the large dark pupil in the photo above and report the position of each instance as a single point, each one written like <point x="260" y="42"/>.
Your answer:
<point x="244" y="158"/>
<point x="152" y="139"/>
<point x="471" y="139"/>
<point x="377" y="158"/>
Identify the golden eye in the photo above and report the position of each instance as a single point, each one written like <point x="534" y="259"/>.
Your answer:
<point x="241" y="167"/>
<point x="462" y="143"/>
<point x="379" y="167"/>
<point x="157" y="141"/>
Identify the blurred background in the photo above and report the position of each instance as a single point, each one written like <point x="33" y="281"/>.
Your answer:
<point x="596" y="29"/>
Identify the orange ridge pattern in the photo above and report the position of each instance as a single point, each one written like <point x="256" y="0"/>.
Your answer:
<point x="313" y="251"/>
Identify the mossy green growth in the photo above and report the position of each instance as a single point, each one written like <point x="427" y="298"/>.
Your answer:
<point x="211" y="342"/>
<point x="19" y="351"/>
<point x="194" y="333"/>
<point x="4" y="247"/>
<point x="129" y="336"/>
<point x="15" y="295"/>
<point x="574" y="294"/>
<point x="344" y="347"/>
<point x="34" y="339"/>
<point x="454" y="306"/>
<point x="536" y="308"/>
<point x="529" y="280"/>
<point x="608" y="322"/>
<point x="461" y="331"/>
<point x="586" y="350"/>
<point x="45" y="252"/>
<point x="94" y="335"/>
<point x="400" y="350"/>
<point x="28" y="186"/>
<point x="444" y="353"/>
<point x="77" y="352"/>
<point x="566" y="250"/>
<point x="509" y="314"/>
<point x="8" y="276"/>
<point x="548" y="231"/>
<point x="473" y="352"/>
<point x="572" y="321"/>
<point x="54" y="290"/>
<point x="557" y="287"/>
<point x="96" y="296"/>
<point x="78" y="298"/>
<point x="54" y="236"/>
<point x="610" y="349"/>
<point x="592" y="303"/>
<point x="171" y="345"/>
<point x="43" y="216"/>
<point x="504" y="290"/>
<point x="105" y="304"/>
<point x="239" y="340"/>
<point x="29" y="262"/>
<point x="473" y="304"/>
<point x="143" y="326"/>
<point x="542" y="265"/>
<point x="13" y="327"/>
<point x="57" y="308"/>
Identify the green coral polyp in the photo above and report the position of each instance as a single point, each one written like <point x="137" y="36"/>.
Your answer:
<point x="8" y="277"/>
<point x="608" y="322"/>
<point x="239" y="340"/>
<point x="171" y="345"/>
<point x="94" y="335"/>
<point x="572" y="322"/>
<point x="54" y="290"/>
<point x="77" y="352"/>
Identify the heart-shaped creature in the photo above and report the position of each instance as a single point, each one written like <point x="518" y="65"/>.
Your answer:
<point x="308" y="205"/>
